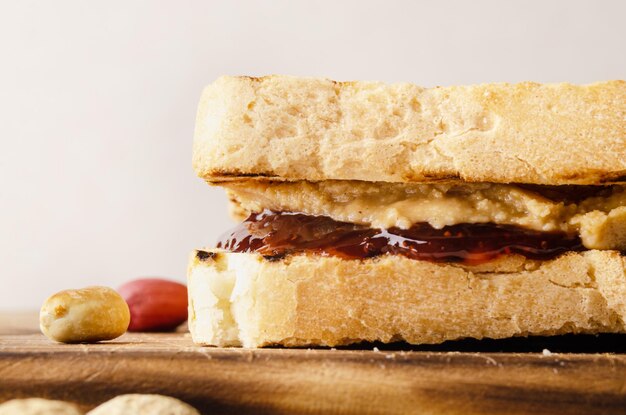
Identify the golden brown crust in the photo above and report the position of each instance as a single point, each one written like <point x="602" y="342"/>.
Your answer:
<point x="245" y="299"/>
<point x="289" y="128"/>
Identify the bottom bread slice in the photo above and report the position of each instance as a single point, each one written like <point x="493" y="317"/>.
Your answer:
<point x="245" y="299"/>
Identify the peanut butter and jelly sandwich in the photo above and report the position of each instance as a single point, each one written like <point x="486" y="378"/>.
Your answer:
<point x="392" y="212"/>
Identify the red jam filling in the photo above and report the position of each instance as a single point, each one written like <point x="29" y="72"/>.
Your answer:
<point x="277" y="234"/>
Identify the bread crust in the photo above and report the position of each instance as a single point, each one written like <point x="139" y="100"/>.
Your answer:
<point x="243" y="299"/>
<point x="287" y="128"/>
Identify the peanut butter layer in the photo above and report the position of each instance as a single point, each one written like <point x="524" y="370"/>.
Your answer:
<point x="596" y="214"/>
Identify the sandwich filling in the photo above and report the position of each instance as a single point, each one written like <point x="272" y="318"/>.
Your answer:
<point x="277" y="234"/>
<point x="593" y="215"/>
<point x="468" y="223"/>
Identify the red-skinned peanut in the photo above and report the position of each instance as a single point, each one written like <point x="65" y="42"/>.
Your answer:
<point x="155" y="304"/>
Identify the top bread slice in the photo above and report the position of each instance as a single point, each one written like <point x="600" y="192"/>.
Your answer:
<point x="287" y="128"/>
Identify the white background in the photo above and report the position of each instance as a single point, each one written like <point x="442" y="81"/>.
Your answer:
<point x="97" y="106"/>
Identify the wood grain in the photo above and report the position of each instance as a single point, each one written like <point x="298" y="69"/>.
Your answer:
<point x="283" y="381"/>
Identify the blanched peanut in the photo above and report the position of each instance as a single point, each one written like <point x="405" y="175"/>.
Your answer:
<point x="90" y="314"/>
<point x="144" y="405"/>
<point x="38" y="406"/>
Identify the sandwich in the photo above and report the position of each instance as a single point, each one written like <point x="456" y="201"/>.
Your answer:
<point x="372" y="212"/>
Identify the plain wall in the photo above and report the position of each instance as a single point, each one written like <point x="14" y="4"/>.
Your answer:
<point x="98" y="99"/>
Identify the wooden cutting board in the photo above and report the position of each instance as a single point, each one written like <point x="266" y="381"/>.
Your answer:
<point x="303" y="381"/>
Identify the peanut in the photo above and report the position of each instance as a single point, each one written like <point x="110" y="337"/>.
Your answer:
<point x="87" y="315"/>
<point x="38" y="406"/>
<point x="144" y="405"/>
<point x="155" y="304"/>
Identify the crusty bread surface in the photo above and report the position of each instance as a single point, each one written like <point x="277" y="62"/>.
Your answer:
<point x="244" y="299"/>
<point x="288" y="128"/>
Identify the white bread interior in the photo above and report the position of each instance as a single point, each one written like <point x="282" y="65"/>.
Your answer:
<point x="287" y="128"/>
<point x="244" y="299"/>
